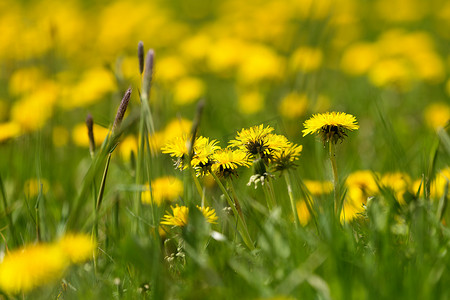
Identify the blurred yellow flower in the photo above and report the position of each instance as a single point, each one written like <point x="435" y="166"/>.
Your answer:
<point x="126" y="146"/>
<point x="293" y="105"/>
<point x="306" y="59"/>
<point x="359" y="58"/>
<point x="26" y="80"/>
<point x="9" y="130"/>
<point x="437" y="115"/>
<point x="398" y="183"/>
<point x="188" y="90"/>
<point x="33" y="110"/>
<point x="77" y="247"/>
<point x="260" y="63"/>
<point x="93" y="86"/>
<point x="251" y="102"/>
<point x="32" y="186"/>
<point x="31" y="266"/>
<point x="317" y="188"/>
<point x="80" y="135"/>
<point x="168" y="188"/>
<point x="304" y="215"/>
<point x="169" y="69"/>
<point x="60" y="136"/>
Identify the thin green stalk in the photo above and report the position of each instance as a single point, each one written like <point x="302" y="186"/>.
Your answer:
<point x="37" y="217"/>
<point x="7" y="213"/>
<point x="243" y="231"/>
<point x="236" y="201"/>
<point x="197" y="183"/>
<point x="337" y="196"/>
<point x="291" y="198"/>
<point x="271" y="191"/>
<point x="267" y="195"/>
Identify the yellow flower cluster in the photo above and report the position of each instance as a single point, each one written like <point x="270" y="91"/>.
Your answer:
<point x="36" y="265"/>
<point x="180" y="214"/>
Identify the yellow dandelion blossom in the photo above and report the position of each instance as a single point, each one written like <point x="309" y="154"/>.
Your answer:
<point x="254" y="141"/>
<point x="437" y="115"/>
<point x="286" y="157"/>
<point x="203" y="149"/>
<point x="30" y="267"/>
<point x="203" y="152"/>
<point x="167" y="188"/>
<point x="317" y="188"/>
<point x="209" y="214"/>
<point x="397" y="182"/>
<point x="77" y="247"/>
<point x="304" y="216"/>
<point x="180" y="214"/>
<point x="361" y="185"/>
<point x="226" y="161"/>
<point x="178" y="149"/>
<point x="331" y="126"/>
<point x="188" y="90"/>
<point x="9" y="130"/>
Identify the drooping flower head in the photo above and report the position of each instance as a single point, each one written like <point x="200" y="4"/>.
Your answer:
<point x="331" y="126"/>
<point x="226" y="161"/>
<point x="180" y="214"/>
<point x="255" y="141"/>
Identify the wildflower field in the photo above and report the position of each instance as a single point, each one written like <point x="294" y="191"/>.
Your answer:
<point x="227" y="149"/>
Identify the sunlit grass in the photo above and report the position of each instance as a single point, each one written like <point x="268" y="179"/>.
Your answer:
<point x="204" y="181"/>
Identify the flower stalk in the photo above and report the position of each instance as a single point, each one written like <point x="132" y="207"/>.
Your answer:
<point x="242" y="228"/>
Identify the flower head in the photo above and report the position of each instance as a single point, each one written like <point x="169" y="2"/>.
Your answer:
<point x="203" y="150"/>
<point x="31" y="266"/>
<point x="167" y="188"/>
<point x="286" y="157"/>
<point x="180" y="214"/>
<point x="77" y="247"/>
<point x="254" y="141"/>
<point x="226" y="161"/>
<point x="203" y="153"/>
<point x="331" y="126"/>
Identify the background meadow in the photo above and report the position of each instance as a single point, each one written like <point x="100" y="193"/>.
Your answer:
<point x="252" y="62"/>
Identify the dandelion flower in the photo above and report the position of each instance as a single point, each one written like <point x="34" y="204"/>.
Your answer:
<point x="30" y="267"/>
<point x="167" y="188"/>
<point x="226" y="161"/>
<point x="203" y="152"/>
<point x="180" y="214"/>
<point x="203" y="149"/>
<point x="77" y="247"/>
<point x="257" y="141"/>
<point x="331" y="126"/>
<point x="286" y="157"/>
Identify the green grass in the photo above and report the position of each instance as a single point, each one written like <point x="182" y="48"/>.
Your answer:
<point x="391" y="250"/>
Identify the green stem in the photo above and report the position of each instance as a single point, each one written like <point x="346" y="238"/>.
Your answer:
<point x="291" y="198"/>
<point x="8" y="214"/>
<point x="268" y="197"/>
<point x="271" y="192"/>
<point x="243" y="231"/>
<point x="197" y="183"/>
<point x="236" y="201"/>
<point x="337" y="196"/>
